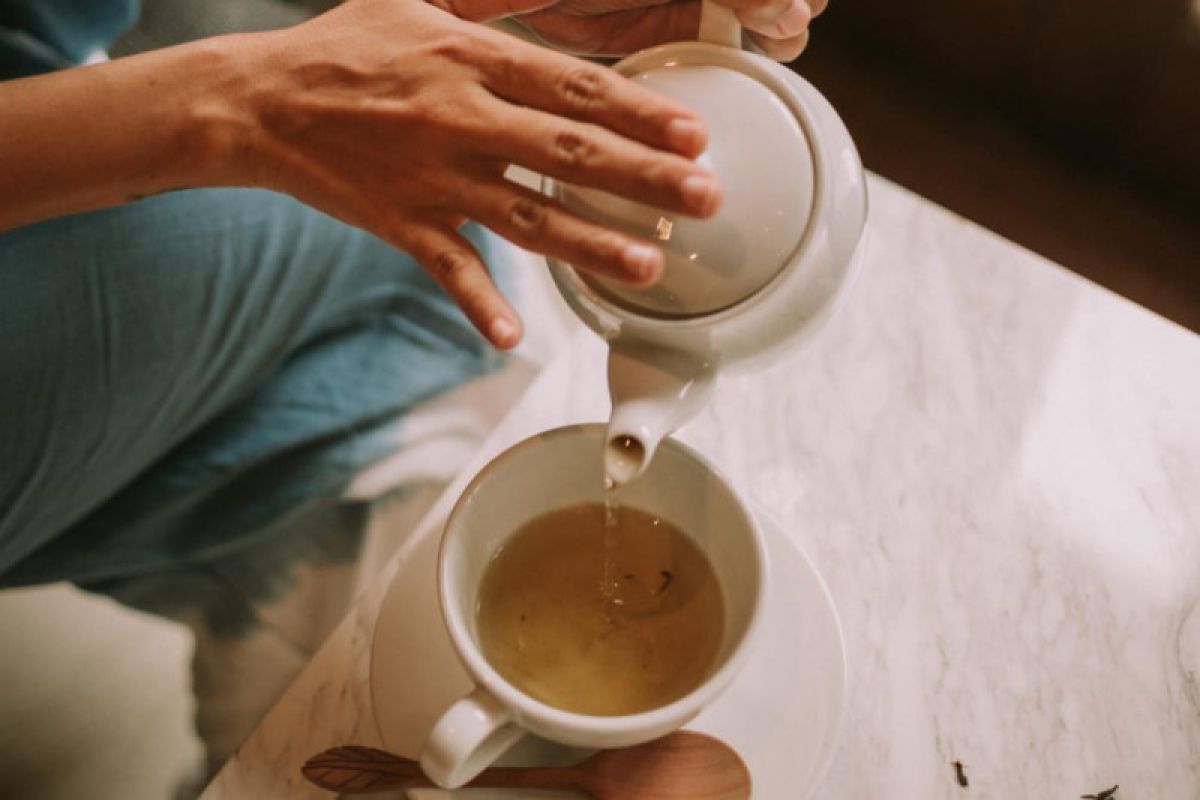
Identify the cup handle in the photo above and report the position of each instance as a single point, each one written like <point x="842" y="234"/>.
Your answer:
<point x="473" y="733"/>
<point x="719" y="25"/>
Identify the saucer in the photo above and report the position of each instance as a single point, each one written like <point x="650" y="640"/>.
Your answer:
<point x="782" y="713"/>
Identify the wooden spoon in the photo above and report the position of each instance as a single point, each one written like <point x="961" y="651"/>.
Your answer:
<point x="682" y="766"/>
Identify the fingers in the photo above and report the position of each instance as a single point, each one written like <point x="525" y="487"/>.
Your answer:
<point x="541" y="224"/>
<point x="588" y="155"/>
<point x="459" y="270"/>
<point x="776" y="19"/>
<point x="534" y="222"/>
<point x="487" y="10"/>
<point x="616" y="32"/>
<point x="588" y="8"/>
<point x="778" y="27"/>
<point x="585" y="124"/>
<point x="568" y="87"/>
<point x="783" y="50"/>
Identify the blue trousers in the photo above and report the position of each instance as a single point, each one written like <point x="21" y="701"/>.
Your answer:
<point x="195" y="376"/>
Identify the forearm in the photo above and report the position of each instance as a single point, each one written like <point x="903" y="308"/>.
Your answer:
<point x="93" y="137"/>
<point x="390" y="115"/>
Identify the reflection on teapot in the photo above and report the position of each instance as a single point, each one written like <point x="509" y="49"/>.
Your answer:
<point x="759" y="275"/>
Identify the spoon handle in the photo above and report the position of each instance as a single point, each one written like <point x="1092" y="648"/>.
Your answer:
<point x="555" y="778"/>
<point x="354" y="769"/>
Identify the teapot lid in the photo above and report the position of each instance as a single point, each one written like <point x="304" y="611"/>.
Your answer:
<point x="762" y="156"/>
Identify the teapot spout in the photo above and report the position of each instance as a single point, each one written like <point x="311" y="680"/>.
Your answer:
<point x="654" y="391"/>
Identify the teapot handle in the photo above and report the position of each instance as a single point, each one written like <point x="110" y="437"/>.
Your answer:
<point x="719" y="25"/>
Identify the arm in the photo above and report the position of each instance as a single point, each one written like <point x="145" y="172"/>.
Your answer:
<point x="391" y="115"/>
<point x="93" y="137"/>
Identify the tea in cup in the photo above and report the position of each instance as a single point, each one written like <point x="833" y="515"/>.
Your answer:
<point x="591" y="618"/>
<point x="601" y="611"/>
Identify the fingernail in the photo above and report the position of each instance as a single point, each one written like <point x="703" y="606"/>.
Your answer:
<point x="701" y="193"/>
<point x="643" y="262"/>
<point x="687" y="135"/>
<point x="502" y="332"/>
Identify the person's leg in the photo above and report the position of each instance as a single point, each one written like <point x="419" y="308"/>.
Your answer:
<point x="186" y="385"/>
<point x="178" y="374"/>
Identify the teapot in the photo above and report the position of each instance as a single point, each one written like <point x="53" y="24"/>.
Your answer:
<point x="749" y="282"/>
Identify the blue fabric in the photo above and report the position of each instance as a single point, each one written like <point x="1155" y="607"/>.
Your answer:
<point x="186" y="385"/>
<point x="42" y="35"/>
<point x="182" y="375"/>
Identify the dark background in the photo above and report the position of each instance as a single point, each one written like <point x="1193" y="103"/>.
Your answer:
<point x="1071" y="127"/>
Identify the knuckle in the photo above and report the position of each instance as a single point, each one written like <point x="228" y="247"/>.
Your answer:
<point x="456" y="115"/>
<point x="454" y="45"/>
<point x="582" y="87"/>
<point x="573" y="151"/>
<point x="417" y="109"/>
<point x="507" y="68"/>
<point x="603" y="247"/>
<point x="448" y="267"/>
<point x="527" y="216"/>
<point x="656" y="180"/>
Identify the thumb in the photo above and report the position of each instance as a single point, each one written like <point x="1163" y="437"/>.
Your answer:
<point x="487" y="10"/>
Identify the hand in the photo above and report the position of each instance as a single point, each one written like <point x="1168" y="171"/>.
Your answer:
<point x="617" y="27"/>
<point x="399" y="118"/>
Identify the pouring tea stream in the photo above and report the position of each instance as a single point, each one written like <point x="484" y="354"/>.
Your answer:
<point x="737" y="288"/>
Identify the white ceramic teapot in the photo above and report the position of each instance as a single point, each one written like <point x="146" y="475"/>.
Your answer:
<point x="759" y="275"/>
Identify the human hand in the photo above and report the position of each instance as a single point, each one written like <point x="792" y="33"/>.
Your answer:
<point x="401" y="119"/>
<point x="617" y="27"/>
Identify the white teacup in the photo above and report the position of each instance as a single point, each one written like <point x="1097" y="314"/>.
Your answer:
<point x="559" y="469"/>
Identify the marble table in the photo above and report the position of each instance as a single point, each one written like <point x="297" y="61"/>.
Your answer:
<point x="994" y="464"/>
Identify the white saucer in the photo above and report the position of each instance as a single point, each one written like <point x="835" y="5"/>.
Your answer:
<point x="782" y="713"/>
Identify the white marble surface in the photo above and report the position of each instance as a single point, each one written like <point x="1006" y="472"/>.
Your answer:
<point x="996" y="467"/>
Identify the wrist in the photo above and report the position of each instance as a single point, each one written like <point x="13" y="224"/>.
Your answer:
<point x="167" y="119"/>
<point x="217" y="140"/>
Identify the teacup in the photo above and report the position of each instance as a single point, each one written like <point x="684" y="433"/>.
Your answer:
<point x="563" y="469"/>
